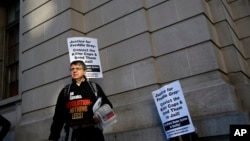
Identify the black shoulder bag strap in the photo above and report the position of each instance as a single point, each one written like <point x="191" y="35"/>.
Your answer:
<point x="93" y="87"/>
<point x="66" y="90"/>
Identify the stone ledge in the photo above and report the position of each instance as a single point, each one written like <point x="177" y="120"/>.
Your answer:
<point x="219" y="124"/>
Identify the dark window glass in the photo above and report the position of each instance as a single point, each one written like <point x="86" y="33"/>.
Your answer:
<point x="11" y="51"/>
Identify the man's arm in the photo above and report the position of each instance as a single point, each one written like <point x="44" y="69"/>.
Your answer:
<point x="105" y="99"/>
<point x="58" y="118"/>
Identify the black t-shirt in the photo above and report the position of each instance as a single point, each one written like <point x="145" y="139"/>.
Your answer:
<point x="74" y="107"/>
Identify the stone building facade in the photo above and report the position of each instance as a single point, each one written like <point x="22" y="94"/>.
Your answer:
<point x="143" y="45"/>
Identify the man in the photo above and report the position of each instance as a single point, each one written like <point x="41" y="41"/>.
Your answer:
<point x="5" y="125"/>
<point x="74" y="108"/>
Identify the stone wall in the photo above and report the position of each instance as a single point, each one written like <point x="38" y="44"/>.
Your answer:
<point x="143" y="44"/>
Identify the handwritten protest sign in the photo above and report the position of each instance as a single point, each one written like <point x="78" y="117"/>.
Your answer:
<point x="86" y="49"/>
<point x="173" y="110"/>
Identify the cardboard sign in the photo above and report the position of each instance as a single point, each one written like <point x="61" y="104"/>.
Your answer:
<point x="173" y="110"/>
<point x="86" y="49"/>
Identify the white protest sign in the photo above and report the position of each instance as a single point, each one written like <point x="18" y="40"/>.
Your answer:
<point x="86" y="49"/>
<point x="173" y="110"/>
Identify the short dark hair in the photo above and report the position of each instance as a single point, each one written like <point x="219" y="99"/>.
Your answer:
<point x="78" y="62"/>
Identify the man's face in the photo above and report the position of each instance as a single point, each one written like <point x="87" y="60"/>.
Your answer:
<point x="77" y="71"/>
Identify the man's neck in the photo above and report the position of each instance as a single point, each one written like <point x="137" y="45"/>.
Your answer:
<point x="79" y="81"/>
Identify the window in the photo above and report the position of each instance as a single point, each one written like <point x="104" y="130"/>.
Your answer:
<point x="11" y="49"/>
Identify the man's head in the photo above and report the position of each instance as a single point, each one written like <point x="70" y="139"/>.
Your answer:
<point x="78" y="70"/>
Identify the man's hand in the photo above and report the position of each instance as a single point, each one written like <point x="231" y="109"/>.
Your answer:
<point x="96" y="118"/>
